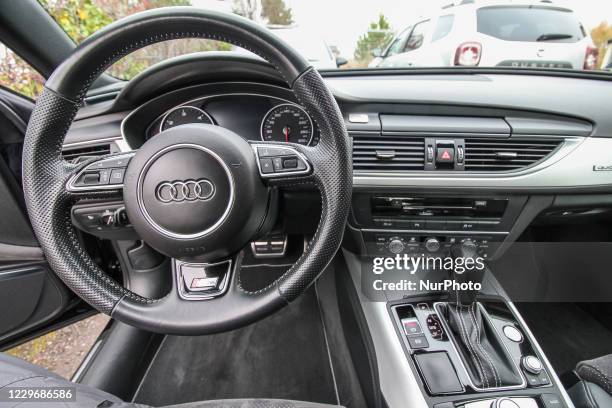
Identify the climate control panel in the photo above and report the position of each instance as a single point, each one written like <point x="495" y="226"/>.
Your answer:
<point x="389" y="244"/>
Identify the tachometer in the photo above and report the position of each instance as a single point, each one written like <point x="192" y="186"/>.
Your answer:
<point x="182" y="115"/>
<point x="287" y="123"/>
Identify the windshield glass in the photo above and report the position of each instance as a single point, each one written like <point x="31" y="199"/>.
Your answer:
<point x="385" y="34"/>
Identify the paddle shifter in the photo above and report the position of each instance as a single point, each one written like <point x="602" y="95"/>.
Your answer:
<point x="475" y="338"/>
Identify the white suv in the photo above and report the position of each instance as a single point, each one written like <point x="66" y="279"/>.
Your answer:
<point x="519" y="34"/>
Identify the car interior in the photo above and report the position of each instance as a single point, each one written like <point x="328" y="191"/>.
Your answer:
<point x="225" y="210"/>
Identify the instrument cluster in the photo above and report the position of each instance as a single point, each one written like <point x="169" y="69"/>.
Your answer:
<point x="255" y="117"/>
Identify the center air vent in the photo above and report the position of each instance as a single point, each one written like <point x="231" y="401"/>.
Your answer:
<point x="486" y="154"/>
<point x="388" y="153"/>
<point x="82" y="153"/>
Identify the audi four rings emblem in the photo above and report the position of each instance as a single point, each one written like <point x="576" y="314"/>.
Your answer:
<point x="187" y="190"/>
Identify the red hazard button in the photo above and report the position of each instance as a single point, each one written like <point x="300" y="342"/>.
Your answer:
<point x="445" y="155"/>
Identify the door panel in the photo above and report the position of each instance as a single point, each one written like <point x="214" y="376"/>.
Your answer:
<point x="31" y="296"/>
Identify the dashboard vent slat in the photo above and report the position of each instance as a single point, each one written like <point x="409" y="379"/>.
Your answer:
<point x="373" y="152"/>
<point x="81" y="153"/>
<point x="491" y="155"/>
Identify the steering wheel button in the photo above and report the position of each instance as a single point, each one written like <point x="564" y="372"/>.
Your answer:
<point x="290" y="163"/>
<point x="104" y="176"/>
<point x="116" y="176"/>
<point x="278" y="164"/>
<point x="91" y="178"/>
<point x="266" y="166"/>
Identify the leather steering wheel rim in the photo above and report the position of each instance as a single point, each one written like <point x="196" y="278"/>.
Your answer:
<point x="45" y="173"/>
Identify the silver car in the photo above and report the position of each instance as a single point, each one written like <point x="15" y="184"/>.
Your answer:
<point x="517" y="34"/>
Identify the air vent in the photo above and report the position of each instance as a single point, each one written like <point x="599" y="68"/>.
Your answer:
<point x="388" y="153"/>
<point x="505" y="155"/>
<point x="78" y="154"/>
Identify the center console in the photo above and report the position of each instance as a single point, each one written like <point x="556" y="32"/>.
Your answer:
<point x="438" y="349"/>
<point x="430" y="224"/>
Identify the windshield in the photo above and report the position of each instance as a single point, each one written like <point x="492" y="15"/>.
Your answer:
<point x="385" y="34"/>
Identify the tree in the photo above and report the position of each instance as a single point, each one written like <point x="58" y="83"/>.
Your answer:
<point x="276" y="12"/>
<point x="80" y="19"/>
<point x="377" y="37"/>
<point x="247" y="8"/>
<point x="601" y="35"/>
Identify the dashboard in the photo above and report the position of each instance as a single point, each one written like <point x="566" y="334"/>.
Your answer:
<point x="524" y="132"/>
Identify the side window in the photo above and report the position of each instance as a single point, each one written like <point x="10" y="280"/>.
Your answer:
<point x="17" y="75"/>
<point x="418" y="36"/>
<point x="443" y="27"/>
<point x="398" y="44"/>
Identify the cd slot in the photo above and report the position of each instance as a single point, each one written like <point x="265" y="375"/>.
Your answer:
<point x="384" y="207"/>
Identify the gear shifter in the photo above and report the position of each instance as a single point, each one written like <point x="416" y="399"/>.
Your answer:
<point x="467" y="250"/>
<point x="475" y="338"/>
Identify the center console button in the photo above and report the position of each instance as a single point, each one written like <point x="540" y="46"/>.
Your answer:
<point x="417" y="342"/>
<point x="505" y="403"/>
<point x="411" y="326"/>
<point x="532" y="364"/>
<point x="396" y="246"/>
<point x="432" y="245"/>
<point x="513" y="334"/>
<point x="435" y="327"/>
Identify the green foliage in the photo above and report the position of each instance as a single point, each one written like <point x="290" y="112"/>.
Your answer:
<point x="276" y="12"/>
<point x="80" y="19"/>
<point x="17" y="75"/>
<point x="246" y="8"/>
<point x="377" y="37"/>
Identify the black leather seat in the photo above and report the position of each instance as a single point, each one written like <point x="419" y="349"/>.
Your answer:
<point x="594" y="390"/>
<point x="16" y="373"/>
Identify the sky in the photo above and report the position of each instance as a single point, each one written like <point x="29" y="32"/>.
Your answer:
<point x="341" y="22"/>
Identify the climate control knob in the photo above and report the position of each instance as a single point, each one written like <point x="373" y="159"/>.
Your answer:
<point x="396" y="246"/>
<point x="432" y="245"/>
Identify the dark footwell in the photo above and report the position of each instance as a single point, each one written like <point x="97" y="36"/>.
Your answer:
<point x="567" y="333"/>
<point x="282" y="356"/>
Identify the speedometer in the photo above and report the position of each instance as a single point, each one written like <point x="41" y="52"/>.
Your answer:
<point x="182" y="115"/>
<point x="287" y="123"/>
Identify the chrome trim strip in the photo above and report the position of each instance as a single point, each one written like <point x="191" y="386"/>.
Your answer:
<point x="93" y="142"/>
<point x="450" y="334"/>
<point x="161" y="229"/>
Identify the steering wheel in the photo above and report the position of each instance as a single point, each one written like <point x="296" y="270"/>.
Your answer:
<point x="196" y="193"/>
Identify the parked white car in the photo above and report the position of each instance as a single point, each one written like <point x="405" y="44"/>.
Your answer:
<point x="517" y="34"/>
<point x="314" y="48"/>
